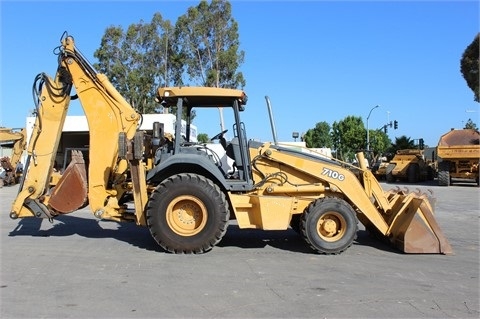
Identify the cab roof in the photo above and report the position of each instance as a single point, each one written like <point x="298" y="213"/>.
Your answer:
<point x="200" y="96"/>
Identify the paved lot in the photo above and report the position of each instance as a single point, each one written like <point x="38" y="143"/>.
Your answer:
<point x="79" y="267"/>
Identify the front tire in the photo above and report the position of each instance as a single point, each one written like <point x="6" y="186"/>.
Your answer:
<point x="329" y="225"/>
<point x="413" y="172"/>
<point x="389" y="173"/>
<point x="430" y="173"/>
<point x="444" y="174"/>
<point x="187" y="213"/>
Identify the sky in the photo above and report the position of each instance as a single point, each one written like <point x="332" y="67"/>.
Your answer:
<point x="317" y="61"/>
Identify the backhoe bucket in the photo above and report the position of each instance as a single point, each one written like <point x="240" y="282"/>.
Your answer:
<point x="71" y="191"/>
<point x="413" y="228"/>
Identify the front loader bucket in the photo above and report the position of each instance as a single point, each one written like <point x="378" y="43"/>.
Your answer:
<point x="414" y="229"/>
<point x="71" y="191"/>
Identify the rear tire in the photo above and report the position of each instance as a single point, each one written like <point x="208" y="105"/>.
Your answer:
<point x="329" y="225"/>
<point x="187" y="213"/>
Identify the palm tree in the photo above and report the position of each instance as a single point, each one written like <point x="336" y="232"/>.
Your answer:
<point x="402" y="143"/>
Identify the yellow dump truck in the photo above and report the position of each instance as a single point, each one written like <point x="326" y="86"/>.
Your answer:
<point x="458" y="153"/>
<point x="409" y="165"/>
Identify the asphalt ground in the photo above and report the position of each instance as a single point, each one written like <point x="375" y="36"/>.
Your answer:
<point x="80" y="267"/>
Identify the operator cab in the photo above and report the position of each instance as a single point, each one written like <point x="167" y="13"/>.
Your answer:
<point x="230" y="156"/>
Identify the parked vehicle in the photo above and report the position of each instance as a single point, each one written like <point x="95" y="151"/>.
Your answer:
<point x="177" y="187"/>
<point x="458" y="154"/>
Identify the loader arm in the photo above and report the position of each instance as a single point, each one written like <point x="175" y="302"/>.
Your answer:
<point x="404" y="218"/>
<point x="340" y="180"/>
<point x="112" y="127"/>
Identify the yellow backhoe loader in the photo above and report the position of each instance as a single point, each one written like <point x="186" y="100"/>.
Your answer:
<point x="179" y="189"/>
<point x="18" y="138"/>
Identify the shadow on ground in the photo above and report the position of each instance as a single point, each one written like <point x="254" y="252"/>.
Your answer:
<point x="138" y="236"/>
<point x="68" y="225"/>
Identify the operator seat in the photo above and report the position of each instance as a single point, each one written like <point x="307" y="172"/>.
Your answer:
<point x="230" y="152"/>
<point x="233" y="151"/>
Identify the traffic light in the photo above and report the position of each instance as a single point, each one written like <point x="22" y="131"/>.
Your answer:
<point x="385" y="129"/>
<point x="420" y="143"/>
<point x="395" y="124"/>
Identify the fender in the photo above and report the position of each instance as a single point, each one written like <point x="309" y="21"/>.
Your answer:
<point x="193" y="163"/>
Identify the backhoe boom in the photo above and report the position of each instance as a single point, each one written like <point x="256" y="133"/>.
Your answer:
<point x="108" y="115"/>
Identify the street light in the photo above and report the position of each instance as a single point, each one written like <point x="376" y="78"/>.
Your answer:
<point x="368" y="133"/>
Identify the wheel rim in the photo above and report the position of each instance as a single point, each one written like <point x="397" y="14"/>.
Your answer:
<point x="186" y="215"/>
<point x="331" y="226"/>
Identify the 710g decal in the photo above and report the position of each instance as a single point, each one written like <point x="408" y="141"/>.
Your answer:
<point x="333" y="174"/>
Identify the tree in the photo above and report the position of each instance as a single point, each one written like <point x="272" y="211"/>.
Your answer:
<point x="348" y="137"/>
<point x="379" y="142"/>
<point x="402" y="143"/>
<point x="133" y="60"/>
<point x="203" y="44"/>
<point x="471" y="125"/>
<point x="207" y="40"/>
<point x="469" y="66"/>
<point x="319" y="136"/>
<point x="202" y="138"/>
<point x="111" y="57"/>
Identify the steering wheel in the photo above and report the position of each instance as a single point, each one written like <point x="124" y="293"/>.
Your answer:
<point x="216" y="137"/>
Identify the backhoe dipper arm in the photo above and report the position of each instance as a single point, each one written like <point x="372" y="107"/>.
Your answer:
<point x="51" y="109"/>
<point x="110" y="119"/>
